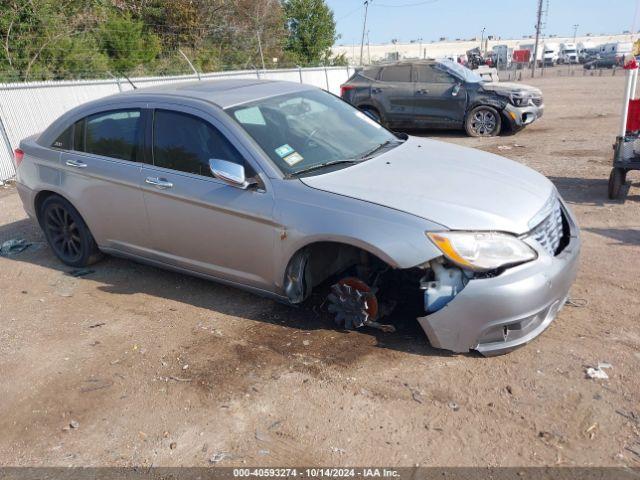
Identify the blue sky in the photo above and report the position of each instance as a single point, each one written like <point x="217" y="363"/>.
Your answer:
<point x="432" y="19"/>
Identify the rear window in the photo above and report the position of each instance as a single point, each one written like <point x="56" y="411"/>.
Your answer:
<point x="400" y="73"/>
<point x="371" y="73"/>
<point x="64" y="141"/>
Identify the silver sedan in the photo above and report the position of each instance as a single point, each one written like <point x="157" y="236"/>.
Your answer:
<point x="281" y="188"/>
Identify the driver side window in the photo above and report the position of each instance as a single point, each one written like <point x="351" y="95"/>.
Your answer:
<point x="432" y="74"/>
<point x="185" y="143"/>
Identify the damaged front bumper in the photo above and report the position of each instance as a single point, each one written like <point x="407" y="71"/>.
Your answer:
<point x="496" y="315"/>
<point x="520" y="117"/>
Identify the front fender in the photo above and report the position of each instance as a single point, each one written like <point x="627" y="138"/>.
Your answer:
<point x="308" y="216"/>
<point x="490" y="99"/>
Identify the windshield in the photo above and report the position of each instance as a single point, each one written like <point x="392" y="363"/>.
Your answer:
<point x="460" y="71"/>
<point x="309" y="130"/>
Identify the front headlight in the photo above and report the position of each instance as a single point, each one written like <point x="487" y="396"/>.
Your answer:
<point x="520" y="99"/>
<point x="482" y="251"/>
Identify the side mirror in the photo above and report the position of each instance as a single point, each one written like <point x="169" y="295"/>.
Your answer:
<point x="229" y="172"/>
<point x="456" y="90"/>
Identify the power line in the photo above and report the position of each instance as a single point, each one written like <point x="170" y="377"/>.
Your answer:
<point x="405" y="5"/>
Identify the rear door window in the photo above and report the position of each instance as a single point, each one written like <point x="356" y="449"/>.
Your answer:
<point x="186" y="143"/>
<point x="399" y="73"/>
<point x="114" y="134"/>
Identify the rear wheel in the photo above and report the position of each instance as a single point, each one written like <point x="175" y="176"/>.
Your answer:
<point x="483" y="121"/>
<point x="617" y="178"/>
<point x="67" y="233"/>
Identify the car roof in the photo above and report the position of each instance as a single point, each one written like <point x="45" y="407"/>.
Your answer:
<point x="223" y="93"/>
<point x="416" y="61"/>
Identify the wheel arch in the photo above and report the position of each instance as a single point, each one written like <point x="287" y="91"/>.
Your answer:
<point x="39" y="199"/>
<point x="318" y="259"/>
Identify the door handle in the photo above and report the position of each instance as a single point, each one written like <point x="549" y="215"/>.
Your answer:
<point x="75" y="164"/>
<point x="376" y="90"/>
<point x="158" y="182"/>
<point x="422" y="91"/>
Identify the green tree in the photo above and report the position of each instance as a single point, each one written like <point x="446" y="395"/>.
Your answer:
<point x="311" y="31"/>
<point x="126" y="43"/>
<point x="34" y="33"/>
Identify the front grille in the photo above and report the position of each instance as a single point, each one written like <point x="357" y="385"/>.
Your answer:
<point x="537" y="101"/>
<point x="550" y="232"/>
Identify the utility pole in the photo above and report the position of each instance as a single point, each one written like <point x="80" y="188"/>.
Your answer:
<point x="364" y="29"/>
<point x="482" y="39"/>
<point x="260" y="48"/>
<point x="420" y="51"/>
<point x="368" y="49"/>
<point x="575" y="32"/>
<point x="535" y="48"/>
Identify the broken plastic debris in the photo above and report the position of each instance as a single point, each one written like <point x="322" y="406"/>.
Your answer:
<point x="218" y="457"/>
<point x="504" y="147"/>
<point x="14" y="246"/>
<point x="598" y="373"/>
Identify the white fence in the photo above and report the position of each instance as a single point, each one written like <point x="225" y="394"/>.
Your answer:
<point x="28" y="108"/>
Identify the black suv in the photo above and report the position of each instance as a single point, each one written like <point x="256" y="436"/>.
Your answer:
<point x="441" y="94"/>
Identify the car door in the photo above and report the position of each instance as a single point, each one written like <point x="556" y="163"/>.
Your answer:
<point x="101" y="177"/>
<point x="198" y="222"/>
<point x="440" y="98"/>
<point x="393" y="92"/>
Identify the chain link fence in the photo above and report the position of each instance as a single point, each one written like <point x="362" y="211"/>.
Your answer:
<point x="28" y="108"/>
<point x="519" y="72"/>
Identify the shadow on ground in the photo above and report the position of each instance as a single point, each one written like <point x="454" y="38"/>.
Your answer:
<point x="622" y="236"/>
<point x="124" y="277"/>
<point x="590" y="191"/>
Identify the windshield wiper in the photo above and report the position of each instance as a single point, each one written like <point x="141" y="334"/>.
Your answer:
<point x="369" y="154"/>
<point x="320" y="166"/>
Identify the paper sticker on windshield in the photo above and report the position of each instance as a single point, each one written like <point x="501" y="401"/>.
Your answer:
<point x="292" y="159"/>
<point x="368" y="119"/>
<point x="284" y="150"/>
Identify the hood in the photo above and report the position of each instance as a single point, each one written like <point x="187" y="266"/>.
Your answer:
<point x="511" y="87"/>
<point x="460" y="188"/>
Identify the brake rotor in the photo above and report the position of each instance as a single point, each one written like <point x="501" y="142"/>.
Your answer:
<point x="353" y="303"/>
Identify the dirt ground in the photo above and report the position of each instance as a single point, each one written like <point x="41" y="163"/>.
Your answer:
<point x="162" y="369"/>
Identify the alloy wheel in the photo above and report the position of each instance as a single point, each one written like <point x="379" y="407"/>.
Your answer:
<point x="63" y="233"/>
<point x="484" y="122"/>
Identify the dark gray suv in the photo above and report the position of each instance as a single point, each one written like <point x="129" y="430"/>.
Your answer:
<point x="441" y="94"/>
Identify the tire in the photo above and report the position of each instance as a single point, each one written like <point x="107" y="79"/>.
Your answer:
<point x="617" y="178"/>
<point x="483" y="121"/>
<point x="67" y="234"/>
<point x="372" y="113"/>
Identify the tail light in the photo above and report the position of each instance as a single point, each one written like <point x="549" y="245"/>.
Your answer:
<point x="344" y="89"/>
<point x="18" y="155"/>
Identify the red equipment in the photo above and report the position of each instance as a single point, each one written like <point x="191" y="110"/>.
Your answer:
<point x="521" y="56"/>
<point x="626" y="150"/>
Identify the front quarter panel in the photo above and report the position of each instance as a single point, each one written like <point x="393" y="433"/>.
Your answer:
<point x="478" y="96"/>
<point x="307" y="215"/>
